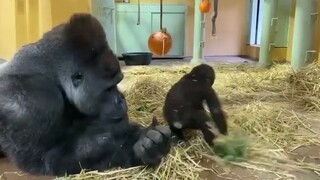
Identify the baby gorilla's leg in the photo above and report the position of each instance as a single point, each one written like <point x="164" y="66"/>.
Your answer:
<point x="182" y="122"/>
<point x="177" y="135"/>
<point x="206" y="125"/>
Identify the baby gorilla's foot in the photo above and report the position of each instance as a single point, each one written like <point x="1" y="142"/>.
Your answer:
<point x="178" y="140"/>
<point x="153" y="145"/>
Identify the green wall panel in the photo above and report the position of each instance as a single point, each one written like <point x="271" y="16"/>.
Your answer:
<point x="104" y="11"/>
<point x="132" y="37"/>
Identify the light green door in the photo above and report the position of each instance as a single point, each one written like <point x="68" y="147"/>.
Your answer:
<point x="130" y="36"/>
<point x="104" y="11"/>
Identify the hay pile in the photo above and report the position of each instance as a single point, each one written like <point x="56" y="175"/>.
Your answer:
<point x="147" y="90"/>
<point x="265" y="104"/>
<point x="275" y="123"/>
<point x="306" y="87"/>
<point x="146" y="96"/>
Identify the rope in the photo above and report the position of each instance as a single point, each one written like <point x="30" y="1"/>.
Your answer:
<point x="214" y="17"/>
<point x="138" y="21"/>
<point x="160" y="14"/>
<point x="163" y="40"/>
<point x="163" y="43"/>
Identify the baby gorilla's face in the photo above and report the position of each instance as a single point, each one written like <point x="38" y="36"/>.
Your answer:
<point x="203" y="72"/>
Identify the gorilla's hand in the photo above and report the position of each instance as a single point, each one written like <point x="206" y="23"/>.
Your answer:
<point x="153" y="144"/>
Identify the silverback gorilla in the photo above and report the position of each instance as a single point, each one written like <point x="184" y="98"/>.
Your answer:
<point x="183" y="107"/>
<point x="60" y="109"/>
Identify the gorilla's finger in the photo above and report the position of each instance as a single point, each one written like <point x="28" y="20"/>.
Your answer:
<point x="165" y="147"/>
<point x="139" y="149"/>
<point x="164" y="130"/>
<point x="155" y="136"/>
<point x="147" y="143"/>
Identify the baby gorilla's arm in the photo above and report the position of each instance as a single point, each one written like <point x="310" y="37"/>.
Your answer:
<point x="216" y="111"/>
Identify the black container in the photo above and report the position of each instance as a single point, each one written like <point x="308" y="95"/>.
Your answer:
<point x="137" y="58"/>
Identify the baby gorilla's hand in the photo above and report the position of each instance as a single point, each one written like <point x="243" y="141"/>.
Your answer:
<point x="153" y="144"/>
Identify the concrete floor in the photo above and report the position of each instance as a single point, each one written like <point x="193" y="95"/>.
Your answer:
<point x="209" y="60"/>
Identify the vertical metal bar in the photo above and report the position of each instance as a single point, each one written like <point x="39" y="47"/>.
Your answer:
<point x="304" y="22"/>
<point x="197" y="33"/>
<point x="267" y="33"/>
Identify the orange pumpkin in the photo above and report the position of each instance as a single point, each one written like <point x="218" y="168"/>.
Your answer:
<point x="205" y="6"/>
<point x="160" y="43"/>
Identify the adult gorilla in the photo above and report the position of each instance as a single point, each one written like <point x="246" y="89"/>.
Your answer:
<point x="60" y="109"/>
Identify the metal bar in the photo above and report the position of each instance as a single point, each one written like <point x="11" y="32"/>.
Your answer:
<point x="267" y="33"/>
<point x="197" y="34"/>
<point x="304" y="22"/>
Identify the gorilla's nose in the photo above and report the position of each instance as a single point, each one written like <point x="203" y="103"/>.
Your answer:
<point x="120" y="107"/>
<point x="117" y="99"/>
<point x="120" y="101"/>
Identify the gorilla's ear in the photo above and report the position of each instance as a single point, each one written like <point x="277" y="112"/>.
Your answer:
<point x="85" y="35"/>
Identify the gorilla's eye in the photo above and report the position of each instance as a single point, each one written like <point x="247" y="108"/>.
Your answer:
<point x="76" y="78"/>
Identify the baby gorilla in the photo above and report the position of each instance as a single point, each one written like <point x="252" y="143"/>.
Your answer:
<point x="184" y="105"/>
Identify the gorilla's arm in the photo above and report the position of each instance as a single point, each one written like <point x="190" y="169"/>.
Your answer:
<point x="38" y="136"/>
<point x="100" y="147"/>
<point x="216" y="111"/>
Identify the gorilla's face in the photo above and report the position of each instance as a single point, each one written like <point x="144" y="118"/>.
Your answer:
<point x="87" y="69"/>
<point x="91" y="85"/>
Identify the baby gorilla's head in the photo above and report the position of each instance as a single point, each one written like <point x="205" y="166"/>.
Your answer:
<point x="203" y="72"/>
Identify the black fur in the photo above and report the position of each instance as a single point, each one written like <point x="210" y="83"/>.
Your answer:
<point x="2" y="154"/>
<point x="184" y="104"/>
<point x="60" y="109"/>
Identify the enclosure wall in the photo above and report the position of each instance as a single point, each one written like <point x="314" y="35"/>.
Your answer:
<point x="24" y="21"/>
<point x="231" y="23"/>
<point x="284" y="53"/>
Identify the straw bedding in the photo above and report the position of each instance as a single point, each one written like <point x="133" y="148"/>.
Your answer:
<point x="271" y="107"/>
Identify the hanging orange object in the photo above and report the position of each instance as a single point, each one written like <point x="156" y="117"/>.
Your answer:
<point x="160" y="42"/>
<point x="204" y="6"/>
